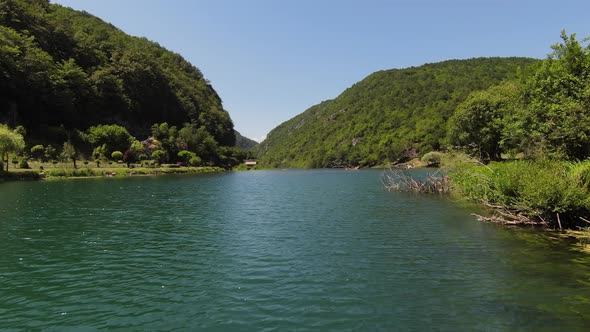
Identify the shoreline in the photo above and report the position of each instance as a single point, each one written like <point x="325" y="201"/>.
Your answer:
<point x="88" y="173"/>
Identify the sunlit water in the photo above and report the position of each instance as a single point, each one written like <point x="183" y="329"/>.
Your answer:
<point x="273" y="250"/>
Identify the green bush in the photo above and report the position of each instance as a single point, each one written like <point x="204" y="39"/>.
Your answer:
<point x="117" y="155"/>
<point x="195" y="161"/>
<point x="540" y="188"/>
<point x="186" y="156"/>
<point x="581" y="174"/>
<point x="159" y="156"/>
<point x="22" y="163"/>
<point x="38" y="152"/>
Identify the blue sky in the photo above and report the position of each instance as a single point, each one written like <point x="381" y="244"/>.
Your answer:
<point x="271" y="60"/>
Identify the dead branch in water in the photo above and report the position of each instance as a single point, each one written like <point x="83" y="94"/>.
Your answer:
<point x="509" y="216"/>
<point x="400" y="180"/>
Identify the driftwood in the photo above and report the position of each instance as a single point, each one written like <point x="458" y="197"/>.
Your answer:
<point x="401" y="180"/>
<point x="510" y="216"/>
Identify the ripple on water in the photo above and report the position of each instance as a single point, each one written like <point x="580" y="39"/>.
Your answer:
<point x="282" y="250"/>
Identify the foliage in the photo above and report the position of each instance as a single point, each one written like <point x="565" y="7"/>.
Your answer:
<point x="86" y="171"/>
<point x="23" y="164"/>
<point x="63" y="70"/>
<point x="557" y="116"/>
<point x="478" y="122"/>
<point x="10" y="142"/>
<point x="117" y="155"/>
<point x="109" y="138"/>
<point x="172" y="140"/>
<point x="132" y="154"/>
<point x="69" y="152"/>
<point x="538" y="188"/>
<point x="159" y="156"/>
<point x="194" y="161"/>
<point x="38" y="152"/>
<point x="99" y="152"/>
<point x="389" y="115"/>
<point x="185" y="155"/>
<point x="50" y="152"/>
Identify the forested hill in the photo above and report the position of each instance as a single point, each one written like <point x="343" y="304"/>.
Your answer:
<point x="63" y="70"/>
<point x="388" y="115"/>
<point x="245" y="143"/>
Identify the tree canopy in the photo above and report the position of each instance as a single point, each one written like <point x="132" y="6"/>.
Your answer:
<point x="63" y="70"/>
<point x="10" y="142"/>
<point x="389" y="115"/>
<point x="543" y="114"/>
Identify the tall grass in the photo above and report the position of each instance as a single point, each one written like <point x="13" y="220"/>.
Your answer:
<point x="553" y="192"/>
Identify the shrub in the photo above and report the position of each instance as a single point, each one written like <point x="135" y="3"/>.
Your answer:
<point x="22" y="163"/>
<point x="117" y="155"/>
<point x="158" y="156"/>
<point x="186" y="156"/>
<point x="195" y="161"/>
<point x="541" y="188"/>
<point x="38" y="152"/>
<point x="581" y="174"/>
<point x="50" y="152"/>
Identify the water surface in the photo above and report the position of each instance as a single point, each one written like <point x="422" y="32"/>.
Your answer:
<point x="273" y="250"/>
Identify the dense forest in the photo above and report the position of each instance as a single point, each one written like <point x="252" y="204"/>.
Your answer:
<point x="63" y="72"/>
<point x="390" y="115"/>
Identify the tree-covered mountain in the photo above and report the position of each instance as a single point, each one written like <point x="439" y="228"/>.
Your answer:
<point x="244" y="143"/>
<point x="388" y="115"/>
<point x="63" y="70"/>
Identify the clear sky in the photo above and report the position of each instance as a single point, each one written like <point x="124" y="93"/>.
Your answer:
<point x="270" y="60"/>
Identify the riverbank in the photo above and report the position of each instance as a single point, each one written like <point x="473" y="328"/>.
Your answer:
<point x="546" y="194"/>
<point x="91" y="172"/>
<point x="554" y="194"/>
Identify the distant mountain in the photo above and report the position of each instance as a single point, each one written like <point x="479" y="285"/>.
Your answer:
<point x="63" y="70"/>
<point x="388" y="115"/>
<point x="244" y="142"/>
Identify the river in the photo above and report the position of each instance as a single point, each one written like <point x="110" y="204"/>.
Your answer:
<point x="305" y="250"/>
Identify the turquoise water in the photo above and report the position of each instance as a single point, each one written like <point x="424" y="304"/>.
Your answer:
<point x="276" y="251"/>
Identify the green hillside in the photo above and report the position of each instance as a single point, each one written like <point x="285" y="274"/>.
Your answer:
<point x="63" y="70"/>
<point x="388" y="115"/>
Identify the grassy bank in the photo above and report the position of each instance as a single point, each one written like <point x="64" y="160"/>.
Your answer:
<point x="555" y="194"/>
<point x="81" y="172"/>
